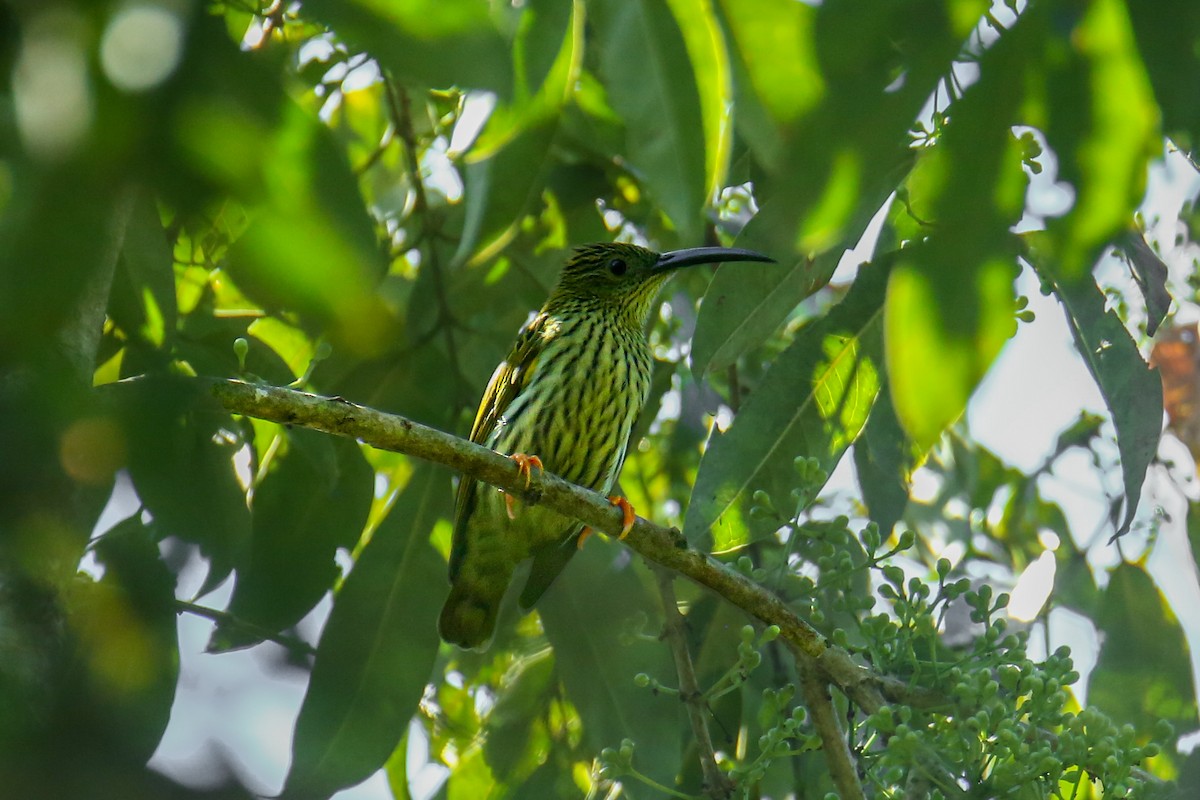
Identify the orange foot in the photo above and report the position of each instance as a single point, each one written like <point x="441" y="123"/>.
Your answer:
<point x="627" y="518"/>
<point x="525" y="465"/>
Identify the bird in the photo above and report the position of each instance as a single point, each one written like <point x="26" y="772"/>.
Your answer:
<point x="564" y="400"/>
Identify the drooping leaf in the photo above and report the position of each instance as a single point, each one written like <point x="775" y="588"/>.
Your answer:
<point x="312" y="501"/>
<point x="1150" y="273"/>
<point x="1132" y="391"/>
<point x="644" y="66"/>
<point x="706" y="50"/>
<point x="813" y="402"/>
<point x="1139" y="629"/>
<point x="377" y="648"/>
<point x="583" y="615"/>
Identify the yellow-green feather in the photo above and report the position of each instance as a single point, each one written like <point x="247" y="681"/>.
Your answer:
<point x="569" y="392"/>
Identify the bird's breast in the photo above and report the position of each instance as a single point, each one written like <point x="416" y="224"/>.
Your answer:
<point x="579" y="403"/>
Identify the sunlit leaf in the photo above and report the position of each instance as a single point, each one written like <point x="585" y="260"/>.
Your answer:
<point x="951" y="302"/>
<point x="813" y="402"/>
<point x="1099" y="110"/>
<point x="1166" y="43"/>
<point x="706" y="50"/>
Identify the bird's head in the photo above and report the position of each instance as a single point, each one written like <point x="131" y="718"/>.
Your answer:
<point x="626" y="278"/>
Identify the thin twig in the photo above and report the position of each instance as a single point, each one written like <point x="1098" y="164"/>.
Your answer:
<point x="401" y="108"/>
<point x="825" y="720"/>
<point x="289" y="643"/>
<point x="717" y="784"/>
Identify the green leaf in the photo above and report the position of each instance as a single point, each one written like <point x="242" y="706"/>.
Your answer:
<point x="126" y="627"/>
<point x="525" y="693"/>
<point x="583" y="615"/>
<point x="149" y="309"/>
<point x="1166" y="36"/>
<point x="746" y="303"/>
<point x="813" y="401"/>
<point x="775" y="39"/>
<point x="181" y="448"/>
<point x="329" y="274"/>
<point x="432" y="42"/>
<point x="883" y="460"/>
<point x="1139" y="629"/>
<point x="1101" y="118"/>
<point x="548" y="54"/>
<point x="1131" y="390"/>
<point x="501" y="189"/>
<point x="313" y="500"/>
<point x="644" y="66"/>
<point x="705" y="44"/>
<point x="377" y="649"/>
<point x="1150" y="274"/>
<point x="951" y="303"/>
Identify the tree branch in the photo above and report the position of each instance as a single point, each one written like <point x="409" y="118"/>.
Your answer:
<point x="717" y="784"/>
<point x="663" y="546"/>
<point x="825" y="721"/>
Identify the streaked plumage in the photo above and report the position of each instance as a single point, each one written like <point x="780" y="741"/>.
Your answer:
<point x="569" y="392"/>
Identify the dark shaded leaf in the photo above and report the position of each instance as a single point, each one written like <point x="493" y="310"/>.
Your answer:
<point x="883" y="459"/>
<point x="125" y="625"/>
<point x="526" y="691"/>
<point x="584" y="615"/>
<point x="1150" y="273"/>
<point x="650" y="81"/>
<point x="312" y="501"/>
<point x="147" y="307"/>
<point x="1131" y="390"/>
<point x="377" y="649"/>
<point x="181" y="448"/>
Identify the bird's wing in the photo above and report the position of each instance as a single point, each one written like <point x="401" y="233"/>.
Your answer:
<point x="506" y="384"/>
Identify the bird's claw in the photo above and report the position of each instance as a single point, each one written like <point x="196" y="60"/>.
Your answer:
<point x="525" y="465"/>
<point x="627" y="518"/>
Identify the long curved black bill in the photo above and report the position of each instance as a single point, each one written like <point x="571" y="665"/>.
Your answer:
<point x="705" y="255"/>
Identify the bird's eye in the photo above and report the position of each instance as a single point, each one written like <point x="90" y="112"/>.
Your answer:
<point x="618" y="267"/>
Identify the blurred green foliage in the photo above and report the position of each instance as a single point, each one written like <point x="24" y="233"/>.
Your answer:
<point x="367" y="197"/>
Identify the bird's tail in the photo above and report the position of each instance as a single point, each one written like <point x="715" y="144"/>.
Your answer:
<point x="469" y="617"/>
